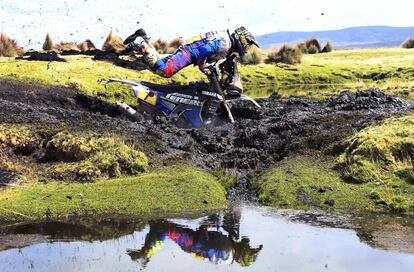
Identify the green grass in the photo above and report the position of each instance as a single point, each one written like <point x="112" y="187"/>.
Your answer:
<point x="389" y="68"/>
<point x="383" y="155"/>
<point x="177" y="188"/>
<point x="279" y="186"/>
<point x="70" y="156"/>
<point x="82" y="73"/>
<point x="374" y="172"/>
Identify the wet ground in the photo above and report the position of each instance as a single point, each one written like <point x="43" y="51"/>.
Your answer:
<point x="245" y="238"/>
<point x="258" y="139"/>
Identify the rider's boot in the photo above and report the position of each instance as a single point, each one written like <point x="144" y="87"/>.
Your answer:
<point x="147" y="50"/>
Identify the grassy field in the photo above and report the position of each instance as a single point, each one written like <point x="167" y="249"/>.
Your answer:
<point x="177" y="188"/>
<point x="319" y="75"/>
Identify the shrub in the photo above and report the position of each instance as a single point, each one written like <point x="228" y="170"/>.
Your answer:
<point x="302" y="47"/>
<point x="66" y="46"/>
<point x="9" y="47"/>
<point x="161" y="46"/>
<point x="86" y="46"/>
<point x="286" y="54"/>
<point x="113" y="43"/>
<point x="313" y="42"/>
<point x="327" y="48"/>
<point x="408" y="43"/>
<point x="312" y="49"/>
<point x="253" y="57"/>
<point x="175" y="43"/>
<point x="48" y="44"/>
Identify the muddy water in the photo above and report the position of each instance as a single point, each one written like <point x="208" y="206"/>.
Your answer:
<point x="240" y="239"/>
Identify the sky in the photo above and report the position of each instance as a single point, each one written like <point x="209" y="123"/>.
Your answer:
<point x="28" y="22"/>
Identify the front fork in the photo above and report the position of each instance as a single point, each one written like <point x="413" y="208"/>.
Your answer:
<point x="213" y="77"/>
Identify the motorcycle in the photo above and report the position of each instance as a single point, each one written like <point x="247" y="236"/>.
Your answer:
<point x="188" y="106"/>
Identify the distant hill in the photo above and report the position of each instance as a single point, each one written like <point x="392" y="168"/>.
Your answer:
<point x="353" y="37"/>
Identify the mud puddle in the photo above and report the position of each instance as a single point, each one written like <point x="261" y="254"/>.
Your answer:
<point x="243" y="238"/>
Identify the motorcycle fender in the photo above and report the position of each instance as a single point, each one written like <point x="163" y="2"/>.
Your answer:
<point x="145" y="94"/>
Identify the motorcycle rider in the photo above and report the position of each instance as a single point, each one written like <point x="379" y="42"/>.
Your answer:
<point x="202" y="50"/>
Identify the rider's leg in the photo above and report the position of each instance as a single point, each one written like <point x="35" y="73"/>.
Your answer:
<point x="165" y="67"/>
<point x="168" y="66"/>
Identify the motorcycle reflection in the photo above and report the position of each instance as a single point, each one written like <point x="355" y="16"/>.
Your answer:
<point x="202" y="243"/>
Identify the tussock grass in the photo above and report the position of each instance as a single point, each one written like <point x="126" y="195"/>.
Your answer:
<point x="174" y="44"/>
<point x="313" y="46"/>
<point x="312" y="49"/>
<point x="9" y="47"/>
<point x="253" y="57"/>
<point x="65" y="46"/>
<point x="113" y="43"/>
<point x="408" y="43"/>
<point x="72" y="156"/>
<point x="86" y="45"/>
<point x="48" y="44"/>
<point x="161" y="46"/>
<point x="327" y="48"/>
<point x="286" y="54"/>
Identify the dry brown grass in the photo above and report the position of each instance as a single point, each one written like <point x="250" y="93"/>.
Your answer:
<point x="113" y="43"/>
<point x="253" y="57"/>
<point x="65" y="46"/>
<point x="161" y="46"/>
<point x="327" y="48"/>
<point x="286" y="54"/>
<point x="48" y="44"/>
<point x="86" y="46"/>
<point x="313" y="45"/>
<point x="408" y="43"/>
<point x="9" y="47"/>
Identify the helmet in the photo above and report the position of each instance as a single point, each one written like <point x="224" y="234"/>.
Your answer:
<point x="243" y="39"/>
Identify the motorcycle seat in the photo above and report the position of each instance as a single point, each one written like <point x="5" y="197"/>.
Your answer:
<point x="175" y="87"/>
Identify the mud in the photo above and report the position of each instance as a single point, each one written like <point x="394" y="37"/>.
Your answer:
<point x="41" y="56"/>
<point x="258" y="139"/>
<point x="6" y="177"/>
<point x="109" y="56"/>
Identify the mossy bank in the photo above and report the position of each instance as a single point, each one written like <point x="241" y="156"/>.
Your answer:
<point x="374" y="172"/>
<point x="178" y="188"/>
<point x="61" y="172"/>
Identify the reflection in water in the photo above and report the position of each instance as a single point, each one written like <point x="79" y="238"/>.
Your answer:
<point x="201" y="243"/>
<point x="241" y="239"/>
